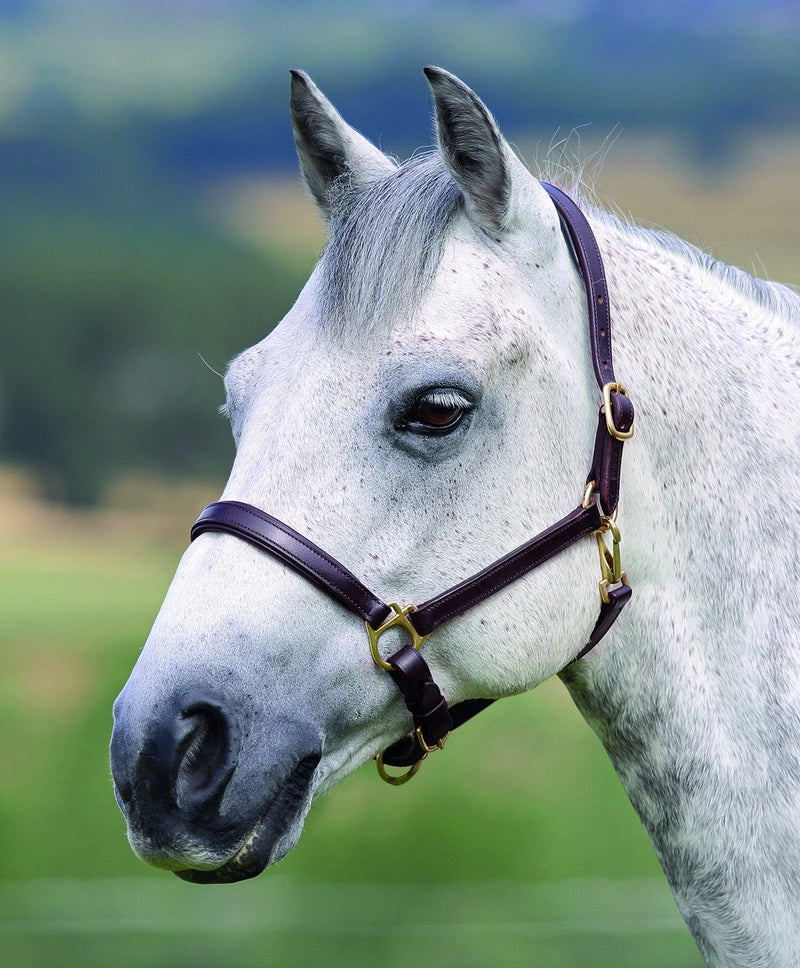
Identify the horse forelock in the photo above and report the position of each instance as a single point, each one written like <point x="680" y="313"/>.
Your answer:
<point x="385" y="240"/>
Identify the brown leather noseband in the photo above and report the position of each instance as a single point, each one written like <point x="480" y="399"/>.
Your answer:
<point x="433" y="719"/>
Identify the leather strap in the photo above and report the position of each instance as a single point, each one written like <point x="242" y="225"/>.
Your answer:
<point x="422" y="696"/>
<point x="293" y="549"/>
<point x="269" y="534"/>
<point x="618" y="598"/>
<point x="578" y="524"/>
<point x="607" y="459"/>
<point x="583" y="243"/>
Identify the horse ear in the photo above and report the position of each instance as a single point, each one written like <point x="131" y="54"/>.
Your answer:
<point x="326" y="145"/>
<point x="497" y="186"/>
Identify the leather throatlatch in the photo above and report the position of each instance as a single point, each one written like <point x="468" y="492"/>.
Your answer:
<point x="433" y="719"/>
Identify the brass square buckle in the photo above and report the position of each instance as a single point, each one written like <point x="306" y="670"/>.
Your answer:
<point x="615" y="432"/>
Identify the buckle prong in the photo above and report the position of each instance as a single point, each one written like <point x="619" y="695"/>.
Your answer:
<point x="438" y="745"/>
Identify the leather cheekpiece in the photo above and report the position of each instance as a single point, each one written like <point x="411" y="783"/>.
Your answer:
<point x="586" y="253"/>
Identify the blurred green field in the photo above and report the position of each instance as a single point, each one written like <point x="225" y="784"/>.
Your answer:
<point x="517" y="844"/>
<point x="289" y="921"/>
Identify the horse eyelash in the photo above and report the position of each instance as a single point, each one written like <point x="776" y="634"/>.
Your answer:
<point x="446" y="398"/>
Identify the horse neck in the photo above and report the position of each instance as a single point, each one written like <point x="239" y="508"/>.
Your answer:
<point x="696" y="693"/>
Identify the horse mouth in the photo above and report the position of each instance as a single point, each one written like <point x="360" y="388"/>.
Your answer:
<point x="272" y="837"/>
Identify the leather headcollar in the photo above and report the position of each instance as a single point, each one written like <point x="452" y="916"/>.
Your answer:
<point x="432" y="718"/>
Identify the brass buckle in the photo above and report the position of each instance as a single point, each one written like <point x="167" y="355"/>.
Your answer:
<point x="610" y="561"/>
<point x="438" y="745"/>
<point x="615" y="432"/>
<point x="398" y="620"/>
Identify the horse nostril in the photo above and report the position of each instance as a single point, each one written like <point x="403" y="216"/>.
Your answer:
<point x="185" y="760"/>
<point x="204" y="761"/>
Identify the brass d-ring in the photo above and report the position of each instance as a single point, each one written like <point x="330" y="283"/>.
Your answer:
<point x="396" y="780"/>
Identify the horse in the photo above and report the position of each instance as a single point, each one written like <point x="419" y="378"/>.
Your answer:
<point x="424" y="408"/>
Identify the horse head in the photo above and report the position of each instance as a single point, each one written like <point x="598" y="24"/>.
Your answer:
<point x="424" y="407"/>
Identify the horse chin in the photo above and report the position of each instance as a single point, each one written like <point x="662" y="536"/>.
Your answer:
<point x="271" y="838"/>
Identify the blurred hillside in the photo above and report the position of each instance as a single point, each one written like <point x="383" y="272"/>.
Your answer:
<point x="145" y="147"/>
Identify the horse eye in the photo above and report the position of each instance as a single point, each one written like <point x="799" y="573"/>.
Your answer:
<point x="437" y="412"/>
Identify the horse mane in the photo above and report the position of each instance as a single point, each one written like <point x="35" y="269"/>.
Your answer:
<point x="773" y="297"/>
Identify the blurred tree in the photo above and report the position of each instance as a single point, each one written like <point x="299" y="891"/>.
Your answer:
<point x="105" y="331"/>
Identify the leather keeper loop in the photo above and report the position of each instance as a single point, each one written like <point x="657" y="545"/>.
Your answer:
<point x="422" y="696"/>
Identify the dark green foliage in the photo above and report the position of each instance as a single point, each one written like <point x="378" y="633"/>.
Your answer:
<point x="106" y="322"/>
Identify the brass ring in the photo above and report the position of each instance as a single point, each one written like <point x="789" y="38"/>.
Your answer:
<point x="395" y="780"/>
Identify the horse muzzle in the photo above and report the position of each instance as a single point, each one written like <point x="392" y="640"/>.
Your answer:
<point x="199" y="798"/>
